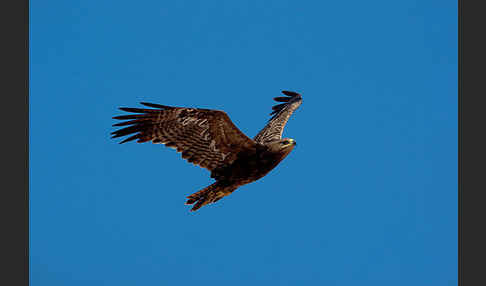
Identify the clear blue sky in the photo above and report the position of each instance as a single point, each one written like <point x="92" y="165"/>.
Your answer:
<point x="368" y="197"/>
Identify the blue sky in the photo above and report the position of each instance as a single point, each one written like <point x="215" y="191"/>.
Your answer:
<point x="368" y="197"/>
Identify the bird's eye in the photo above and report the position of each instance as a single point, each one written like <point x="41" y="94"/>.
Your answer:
<point x="285" y="142"/>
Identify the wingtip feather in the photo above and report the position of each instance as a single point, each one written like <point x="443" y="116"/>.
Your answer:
<point x="290" y="93"/>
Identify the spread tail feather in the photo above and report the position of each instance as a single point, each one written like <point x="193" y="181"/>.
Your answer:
<point x="210" y="194"/>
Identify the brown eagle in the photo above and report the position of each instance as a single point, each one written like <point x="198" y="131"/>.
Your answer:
<point x="209" y="139"/>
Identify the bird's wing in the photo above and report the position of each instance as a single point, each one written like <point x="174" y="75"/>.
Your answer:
<point x="205" y="137"/>
<point x="281" y="114"/>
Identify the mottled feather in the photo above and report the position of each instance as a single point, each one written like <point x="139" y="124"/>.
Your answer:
<point x="204" y="137"/>
<point x="281" y="114"/>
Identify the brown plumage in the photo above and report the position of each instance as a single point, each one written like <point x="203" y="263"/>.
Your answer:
<point x="209" y="139"/>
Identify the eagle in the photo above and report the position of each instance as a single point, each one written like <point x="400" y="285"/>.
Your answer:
<point x="209" y="139"/>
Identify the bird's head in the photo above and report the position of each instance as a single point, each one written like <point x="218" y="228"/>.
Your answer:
<point x="284" y="145"/>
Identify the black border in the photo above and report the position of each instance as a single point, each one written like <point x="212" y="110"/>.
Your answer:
<point x="15" y="134"/>
<point x="459" y="142"/>
<point x="472" y="144"/>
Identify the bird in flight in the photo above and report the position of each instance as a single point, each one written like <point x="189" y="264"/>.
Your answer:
<point x="209" y="139"/>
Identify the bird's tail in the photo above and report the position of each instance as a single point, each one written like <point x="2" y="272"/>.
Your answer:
<point x="210" y="194"/>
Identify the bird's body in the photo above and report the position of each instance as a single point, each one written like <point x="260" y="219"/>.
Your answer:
<point x="209" y="139"/>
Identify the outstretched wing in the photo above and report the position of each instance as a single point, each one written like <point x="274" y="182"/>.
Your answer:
<point x="205" y="137"/>
<point x="281" y="114"/>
